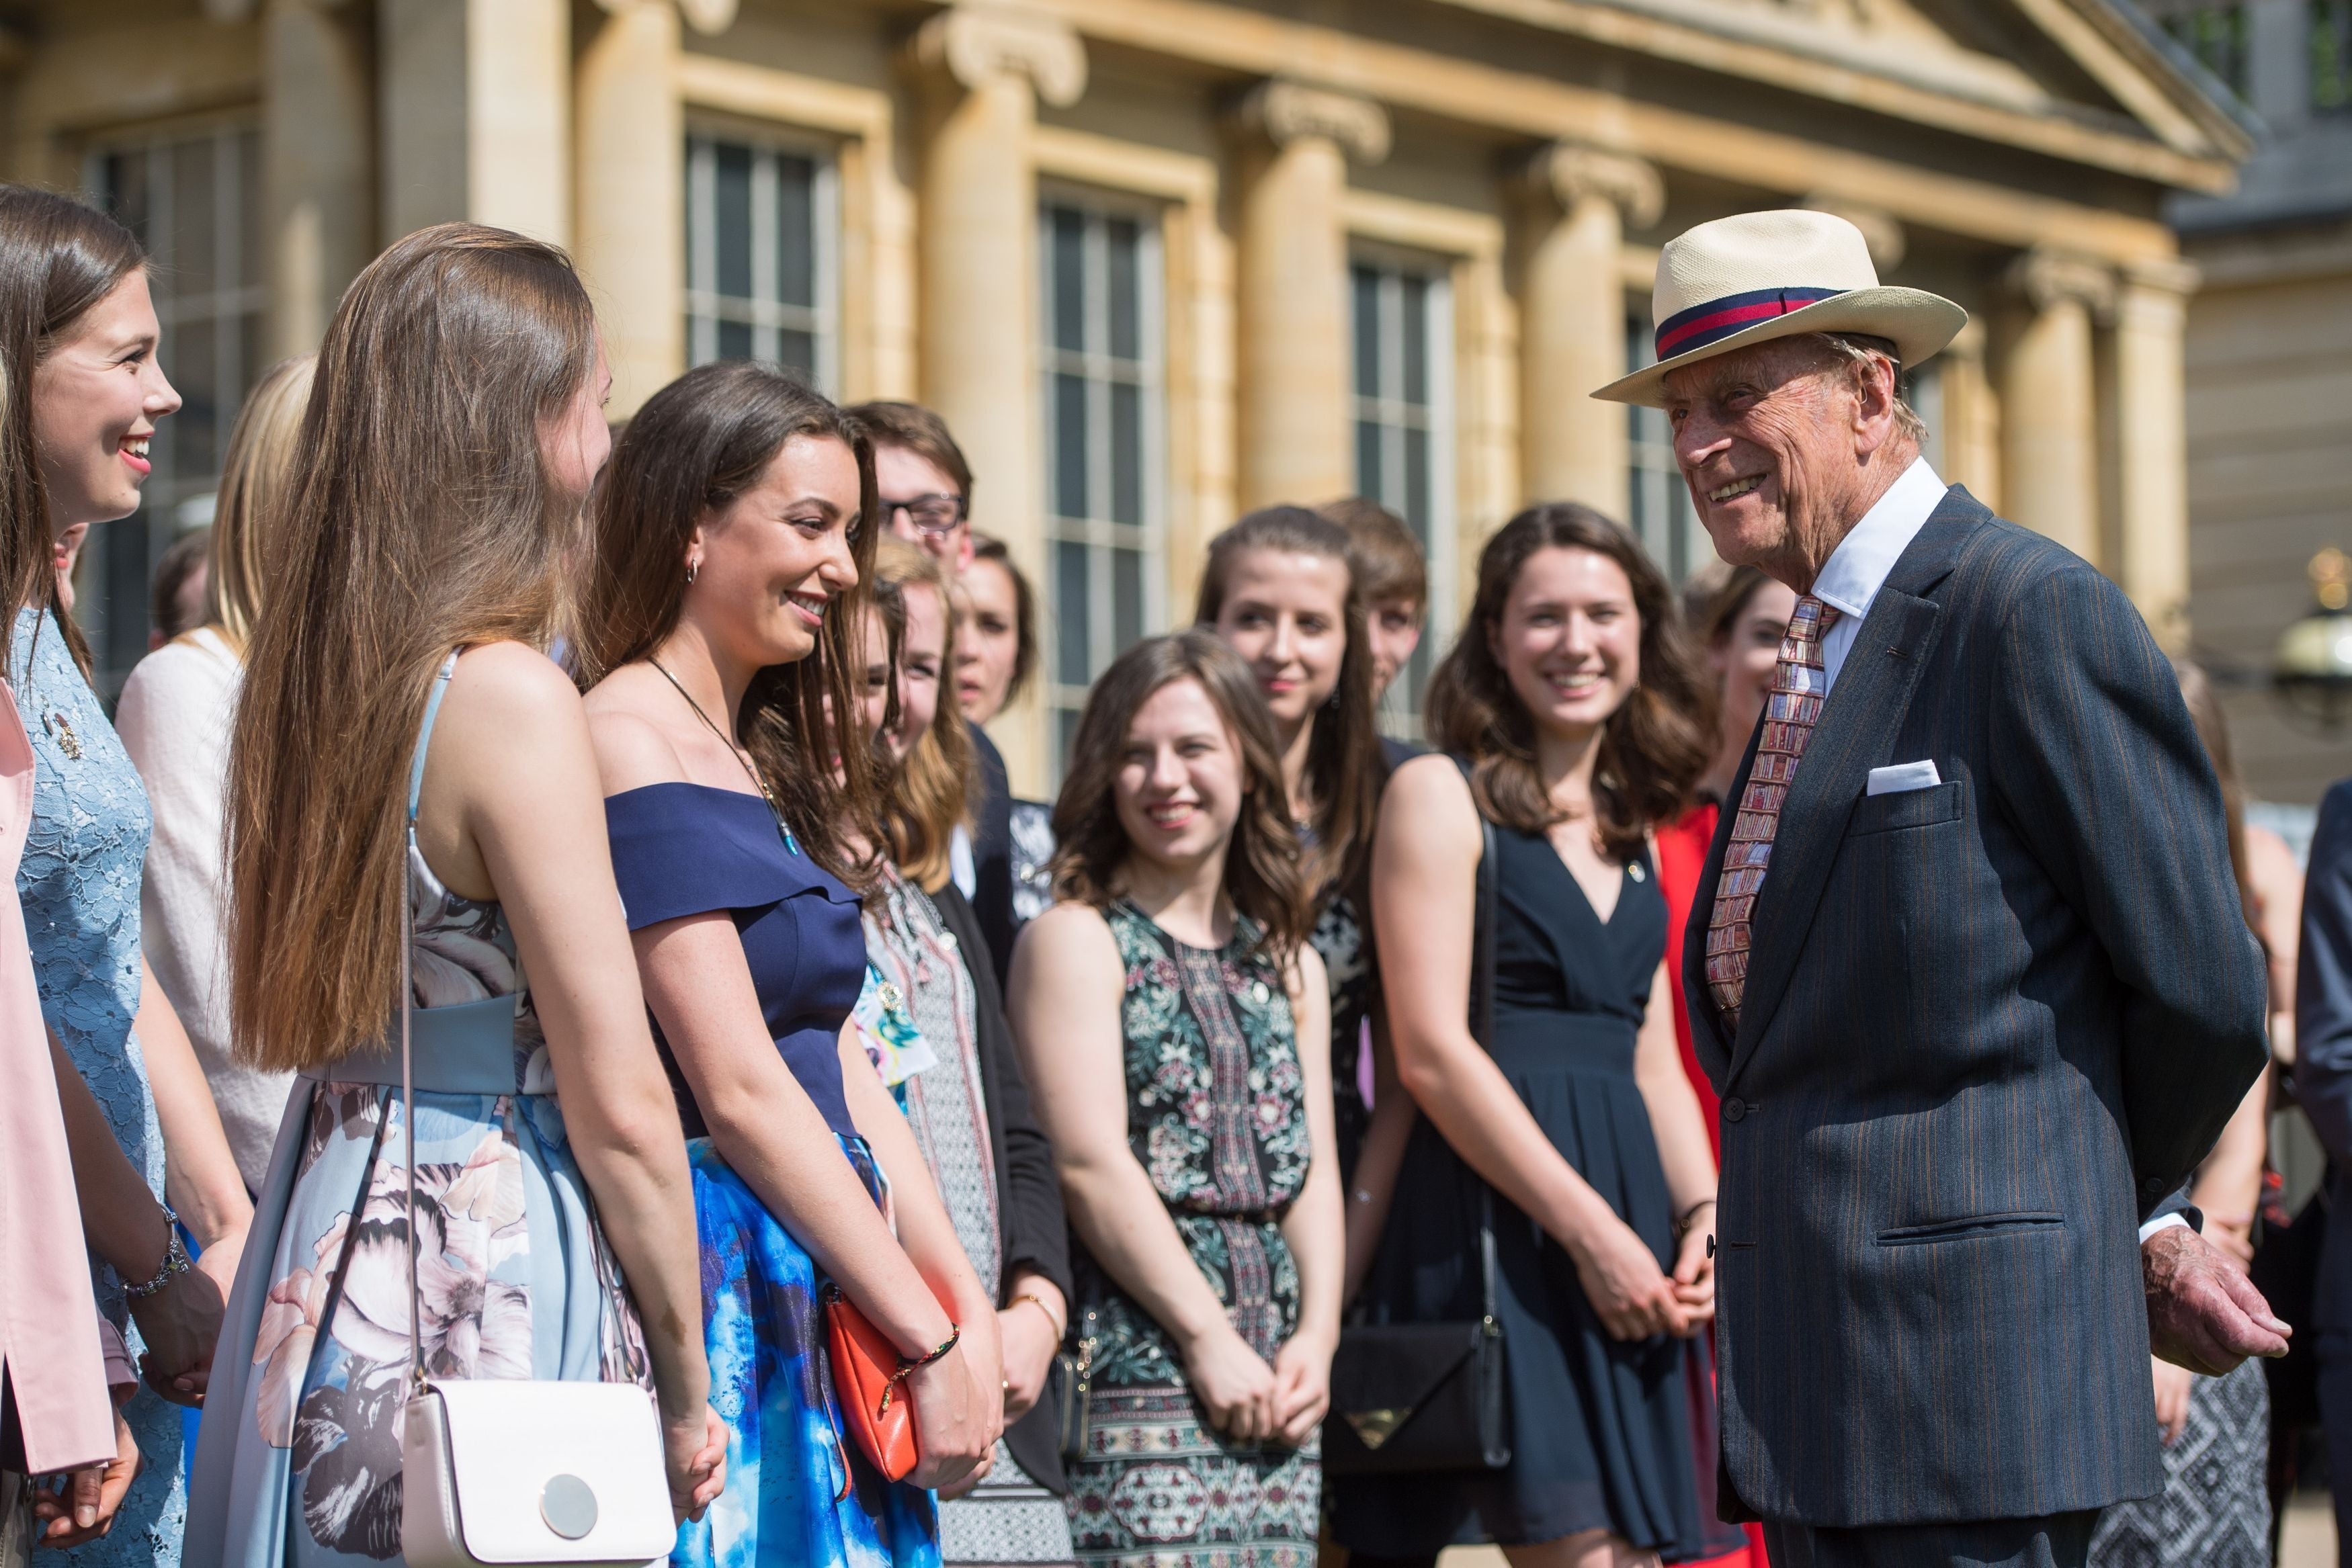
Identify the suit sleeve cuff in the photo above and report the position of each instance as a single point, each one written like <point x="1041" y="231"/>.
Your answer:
<point x="2161" y="1222"/>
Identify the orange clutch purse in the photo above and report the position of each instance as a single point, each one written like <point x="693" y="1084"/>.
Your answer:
<point x="867" y="1372"/>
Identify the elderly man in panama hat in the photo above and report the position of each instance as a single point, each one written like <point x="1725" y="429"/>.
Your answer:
<point x="1967" y="964"/>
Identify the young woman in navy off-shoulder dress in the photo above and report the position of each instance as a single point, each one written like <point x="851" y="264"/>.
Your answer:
<point x="733" y="533"/>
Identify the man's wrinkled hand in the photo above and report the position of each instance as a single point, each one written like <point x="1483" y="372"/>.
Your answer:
<point x="2203" y="1313"/>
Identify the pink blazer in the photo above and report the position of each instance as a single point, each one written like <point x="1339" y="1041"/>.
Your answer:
<point x="48" y="1319"/>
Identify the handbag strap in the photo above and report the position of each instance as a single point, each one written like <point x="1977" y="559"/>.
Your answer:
<point x="407" y="1006"/>
<point x="1483" y="932"/>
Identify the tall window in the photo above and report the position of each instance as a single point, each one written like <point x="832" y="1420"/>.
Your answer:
<point x="193" y="199"/>
<point x="2331" y="55"/>
<point x="2215" y="31"/>
<point x="1662" y="516"/>
<point x="760" y="241"/>
<point x="1103" y="390"/>
<point x="1403" y="344"/>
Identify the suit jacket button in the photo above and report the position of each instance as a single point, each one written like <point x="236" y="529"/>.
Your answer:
<point x="1710" y="1247"/>
<point x="2156" y="1186"/>
<point x="1734" y="1109"/>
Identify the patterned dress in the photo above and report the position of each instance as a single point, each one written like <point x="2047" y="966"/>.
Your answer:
<point x="300" y="1460"/>
<point x="1216" y="1116"/>
<point x="2215" y="1508"/>
<point x="1008" y="1518"/>
<point x="79" y="882"/>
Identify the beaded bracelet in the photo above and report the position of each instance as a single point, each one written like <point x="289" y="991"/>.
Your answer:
<point x="907" y="1367"/>
<point x="176" y="1259"/>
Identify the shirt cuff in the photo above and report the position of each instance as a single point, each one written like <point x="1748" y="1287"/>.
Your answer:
<point x="2161" y="1222"/>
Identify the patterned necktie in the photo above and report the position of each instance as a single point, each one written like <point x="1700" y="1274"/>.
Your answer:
<point x="1798" y="686"/>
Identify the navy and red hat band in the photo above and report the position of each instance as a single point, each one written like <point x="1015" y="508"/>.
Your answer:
<point x="1687" y="331"/>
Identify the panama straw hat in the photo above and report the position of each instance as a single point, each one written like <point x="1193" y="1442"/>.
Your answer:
<point x="1760" y="276"/>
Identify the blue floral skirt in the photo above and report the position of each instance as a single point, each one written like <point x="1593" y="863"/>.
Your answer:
<point x="787" y="1503"/>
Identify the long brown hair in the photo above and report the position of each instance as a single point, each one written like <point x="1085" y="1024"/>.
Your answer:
<point x="422" y="518"/>
<point x="255" y="476"/>
<point x="57" y="258"/>
<point x="2204" y="704"/>
<point x="1263" y="876"/>
<point x="1346" y="766"/>
<point x="929" y="793"/>
<point x="1653" y="749"/>
<point x="694" y="446"/>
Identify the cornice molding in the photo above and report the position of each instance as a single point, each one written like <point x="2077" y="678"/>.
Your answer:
<point x="1285" y="111"/>
<point x="978" y="42"/>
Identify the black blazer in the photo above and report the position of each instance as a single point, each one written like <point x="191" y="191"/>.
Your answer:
<point x="1033" y="1233"/>
<point x="1988" y="1026"/>
<point x="2323" y="1042"/>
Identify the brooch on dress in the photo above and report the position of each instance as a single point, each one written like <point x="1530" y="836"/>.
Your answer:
<point x="62" y="730"/>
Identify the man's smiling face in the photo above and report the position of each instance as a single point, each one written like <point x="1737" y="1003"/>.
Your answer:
<point x="1774" y="442"/>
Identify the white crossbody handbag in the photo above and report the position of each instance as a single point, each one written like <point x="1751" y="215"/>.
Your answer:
<point x="498" y="1471"/>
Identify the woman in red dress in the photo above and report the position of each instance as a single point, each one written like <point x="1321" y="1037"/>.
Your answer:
<point x="1739" y="626"/>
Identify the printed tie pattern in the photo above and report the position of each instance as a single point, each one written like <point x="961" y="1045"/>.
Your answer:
<point x="1798" y="686"/>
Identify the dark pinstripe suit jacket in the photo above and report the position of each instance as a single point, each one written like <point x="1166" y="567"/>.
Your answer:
<point x="1989" y="1025"/>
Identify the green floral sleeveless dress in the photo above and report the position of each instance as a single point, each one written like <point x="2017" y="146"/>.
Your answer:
<point x="1216" y="1116"/>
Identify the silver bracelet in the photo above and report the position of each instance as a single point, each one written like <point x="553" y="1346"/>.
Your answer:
<point x="176" y="1259"/>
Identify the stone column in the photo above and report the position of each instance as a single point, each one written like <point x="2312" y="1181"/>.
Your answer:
<point x="629" y="225"/>
<point x="988" y="63"/>
<point x="318" y="165"/>
<point x="1580" y="201"/>
<point x="2050" y="447"/>
<point x="2152" y="443"/>
<point x="1297" y="437"/>
<point x="475" y="114"/>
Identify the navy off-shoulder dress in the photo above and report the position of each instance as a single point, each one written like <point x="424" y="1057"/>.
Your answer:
<point x="795" y="1494"/>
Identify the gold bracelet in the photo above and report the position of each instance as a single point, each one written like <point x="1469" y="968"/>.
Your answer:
<point x="1038" y="1301"/>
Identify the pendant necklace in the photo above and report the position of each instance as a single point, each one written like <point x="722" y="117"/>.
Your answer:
<point x="741" y="756"/>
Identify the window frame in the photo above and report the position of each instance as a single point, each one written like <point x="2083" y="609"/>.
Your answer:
<point x="1098" y="533"/>
<point x="703" y="308"/>
<point x="1402" y="706"/>
<point x="1647" y="434"/>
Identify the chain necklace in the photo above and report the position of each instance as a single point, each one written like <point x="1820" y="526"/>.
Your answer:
<point x="741" y="756"/>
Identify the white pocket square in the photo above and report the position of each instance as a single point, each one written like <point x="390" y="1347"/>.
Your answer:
<point x="1903" y="775"/>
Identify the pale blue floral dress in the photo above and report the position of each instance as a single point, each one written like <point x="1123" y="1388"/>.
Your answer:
<point x="79" y="886"/>
<point x="300" y="1458"/>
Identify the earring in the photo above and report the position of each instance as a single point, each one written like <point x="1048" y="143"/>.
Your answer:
<point x="692" y="568"/>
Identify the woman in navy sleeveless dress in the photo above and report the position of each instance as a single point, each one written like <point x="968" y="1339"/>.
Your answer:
<point x="1560" y="688"/>
<point x="719" y="631"/>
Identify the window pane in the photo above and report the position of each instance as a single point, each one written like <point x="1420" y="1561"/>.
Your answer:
<point x="249" y="269"/>
<point x="1127" y="597"/>
<point x="1415" y="501"/>
<point x="1368" y="333"/>
<point x="1069" y="276"/>
<point x="1368" y="459"/>
<point x="1416" y="341"/>
<point x="191" y="249"/>
<point x="1070" y="498"/>
<point x="1066" y="737"/>
<point x="731" y="210"/>
<point x="1126" y="452"/>
<point x="124" y="177"/>
<point x="192" y="363"/>
<point x="1072" y="666"/>
<point x="796" y="232"/>
<point x="797" y="352"/>
<point x="1125" y="281"/>
<point x="734" y="340"/>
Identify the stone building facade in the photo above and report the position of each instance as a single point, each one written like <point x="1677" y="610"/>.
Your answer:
<point x="1158" y="261"/>
<point x="2270" y="358"/>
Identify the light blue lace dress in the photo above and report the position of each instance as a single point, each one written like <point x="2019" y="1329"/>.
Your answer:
<point x="79" y="886"/>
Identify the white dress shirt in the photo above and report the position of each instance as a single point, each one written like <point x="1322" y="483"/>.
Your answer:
<point x="1850" y="580"/>
<point x="1857" y="568"/>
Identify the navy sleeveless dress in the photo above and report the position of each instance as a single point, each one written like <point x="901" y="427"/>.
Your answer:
<point x="796" y="1494"/>
<point x="1602" y="1429"/>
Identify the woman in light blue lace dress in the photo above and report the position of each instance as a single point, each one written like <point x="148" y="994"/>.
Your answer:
<point x="96" y="393"/>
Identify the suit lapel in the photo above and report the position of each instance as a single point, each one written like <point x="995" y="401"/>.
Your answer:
<point x="1858" y="725"/>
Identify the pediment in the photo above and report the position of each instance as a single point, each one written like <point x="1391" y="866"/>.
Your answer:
<point x="2084" y="79"/>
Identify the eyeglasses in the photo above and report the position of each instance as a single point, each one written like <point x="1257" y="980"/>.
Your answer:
<point x="932" y="514"/>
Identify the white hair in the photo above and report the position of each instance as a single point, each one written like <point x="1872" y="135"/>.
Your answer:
<point x="1855" y="353"/>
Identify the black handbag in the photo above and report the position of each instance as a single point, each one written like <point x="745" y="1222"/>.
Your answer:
<point x="1069" y="1390"/>
<point x="1415" y="1397"/>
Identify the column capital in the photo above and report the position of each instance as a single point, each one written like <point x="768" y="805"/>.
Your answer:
<point x="1569" y="172"/>
<point x="2046" y="277"/>
<point x="710" y="17"/>
<point x="2168" y="276"/>
<point x="1881" y="231"/>
<point x="976" y="42"/>
<point x="1285" y="111"/>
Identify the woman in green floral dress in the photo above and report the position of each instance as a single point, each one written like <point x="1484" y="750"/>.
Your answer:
<point x="1175" y="1022"/>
